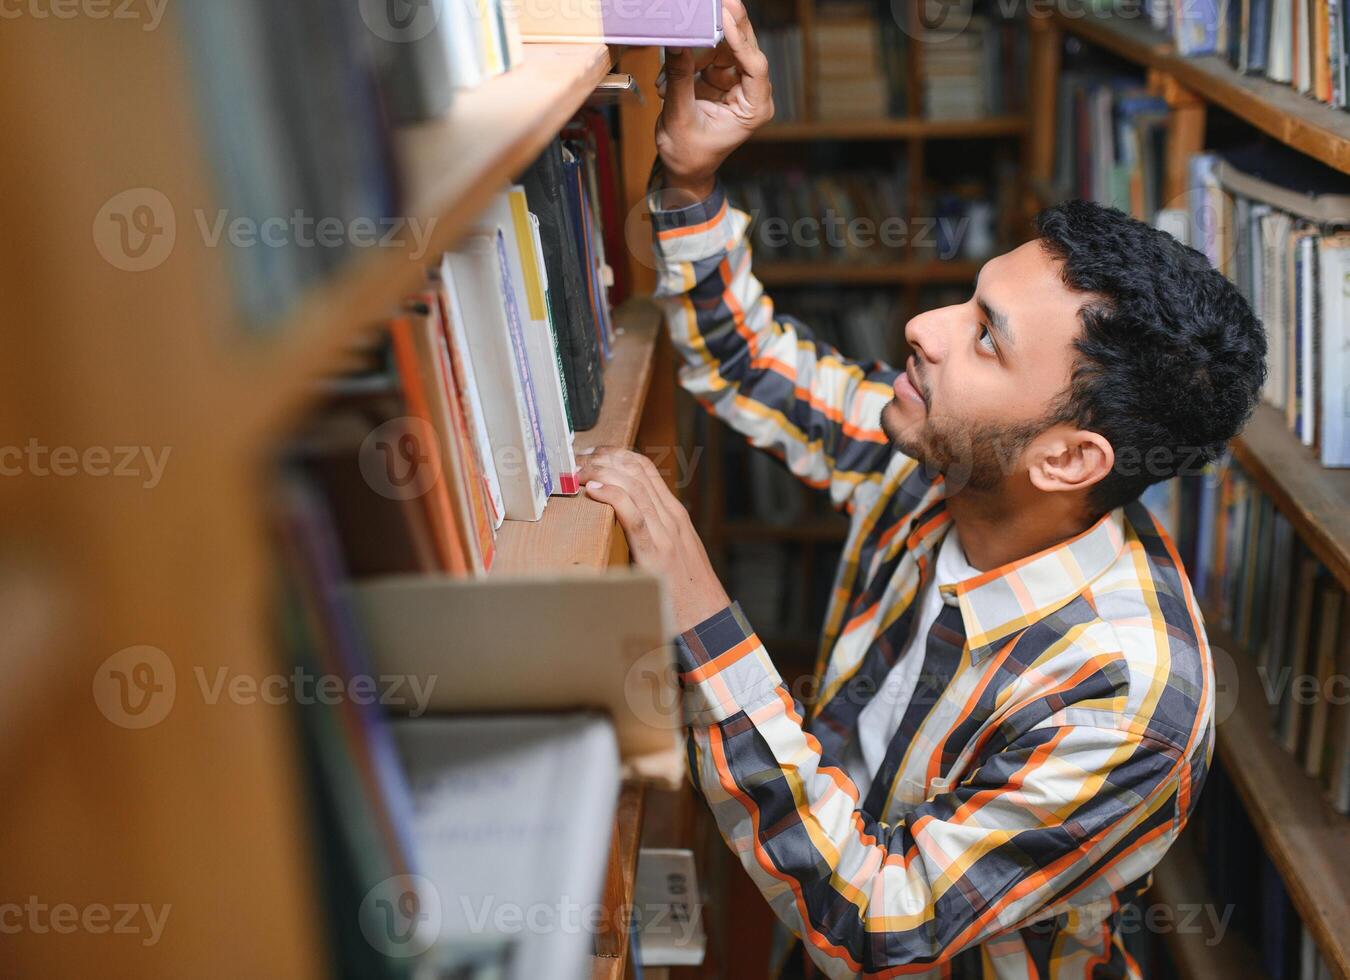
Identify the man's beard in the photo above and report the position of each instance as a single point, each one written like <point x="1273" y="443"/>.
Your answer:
<point x="968" y="455"/>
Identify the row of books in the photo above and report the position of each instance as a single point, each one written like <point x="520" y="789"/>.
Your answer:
<point x="1111" y="137"/>
<point x="1303" y="43"/>
<point x="464" y="412"/>
<point x="1285" y="610"/>
<point x="1248" y="895"/>
<point x="1278" y="225"/>
<point x="978" y="72"/>
<point x="435" y="833"/>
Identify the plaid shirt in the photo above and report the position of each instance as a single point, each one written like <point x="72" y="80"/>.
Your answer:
<point x="1062" y="726"/>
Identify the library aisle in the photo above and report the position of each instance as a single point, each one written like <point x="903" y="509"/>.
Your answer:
<point x="323" y="661"/>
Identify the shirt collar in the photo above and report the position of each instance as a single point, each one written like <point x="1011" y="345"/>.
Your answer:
<point x="1009" y="598"/>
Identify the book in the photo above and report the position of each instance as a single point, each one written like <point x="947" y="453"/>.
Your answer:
<point x="497" y="347"/>
<point x="509" y="215"/>
<point x="697" y="23"/>
<point x="574" y="323"/>
<point x="470" y="637"/>
<point x="1334" y="256"/>
<point x="513" y="816"/>
<point x="420" y="446"/>
<point x="466" y="381"/>
<point x="1326" y="642"/>
<point x="669" y="908"/>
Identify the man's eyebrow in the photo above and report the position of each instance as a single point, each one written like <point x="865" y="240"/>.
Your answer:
<point x="998" y="322"/>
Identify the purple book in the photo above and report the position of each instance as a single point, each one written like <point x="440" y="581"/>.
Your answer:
<point x="678" y="23"/>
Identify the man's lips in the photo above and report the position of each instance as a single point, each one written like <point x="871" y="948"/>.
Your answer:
<point x="906" y="387"/>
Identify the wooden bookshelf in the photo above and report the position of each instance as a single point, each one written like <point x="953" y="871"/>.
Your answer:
<point x="577" y="532"/>
<point x="1308" y="840"/>
<point x="449" y="169"/>
<point x="1179" y="883"/>
<point x="1316" y="500"/>
<point x="891" y="129"/>
<point x="860" y="274"/>
<point x="1296" y="120"/>
<point x="612" y="946"/>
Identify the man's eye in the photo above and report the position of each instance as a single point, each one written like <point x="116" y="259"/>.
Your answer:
<point x="985" y="339"/>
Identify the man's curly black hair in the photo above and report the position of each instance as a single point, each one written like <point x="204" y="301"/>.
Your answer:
<point x="1171" y="359"/>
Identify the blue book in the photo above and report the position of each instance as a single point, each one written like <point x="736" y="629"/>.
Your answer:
<point x="522" y="361"/>
<point x="1195" y="26"/>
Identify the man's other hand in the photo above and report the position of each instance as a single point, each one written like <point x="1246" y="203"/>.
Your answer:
<point x="712" y="104"/>
<point x="661" y="537"/>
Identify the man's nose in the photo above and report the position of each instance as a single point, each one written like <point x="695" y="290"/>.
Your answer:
<point x="926" y="333"/>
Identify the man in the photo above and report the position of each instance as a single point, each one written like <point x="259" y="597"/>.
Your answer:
<point x="1015" y="714"/>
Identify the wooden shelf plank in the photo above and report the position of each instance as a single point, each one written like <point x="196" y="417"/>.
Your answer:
<point x="1316" y="500"/>
<point x="1296" y="120"/>
<point x="1179" y="883"/>
<point x="577" y="532"/>
<point x="892" y="129"/>
<point x="612" y="945"/>
<point x="1308" y="840"/>
<point x="861" y="274"/>
<point x="450" y="168"/>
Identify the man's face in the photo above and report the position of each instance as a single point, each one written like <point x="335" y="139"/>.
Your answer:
<point x="986" y="373"/>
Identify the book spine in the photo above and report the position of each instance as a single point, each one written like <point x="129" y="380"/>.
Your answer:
<point x="522" y="366"/>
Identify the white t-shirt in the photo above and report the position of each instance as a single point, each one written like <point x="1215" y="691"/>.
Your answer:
<point x="879" y="720"/>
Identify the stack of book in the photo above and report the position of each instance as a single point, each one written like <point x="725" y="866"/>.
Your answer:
<point x="1277" y="224"/>
<point x="464" y="413"/>
<point x="434" y="836"/>
<point x="1283" y="608"/>
<point x="977" y="72"/>
<point x="852" y="79"/>
<point x="1111" y="138"/>
<point x="1303" y="43"/>
<point x="841" y="216"/>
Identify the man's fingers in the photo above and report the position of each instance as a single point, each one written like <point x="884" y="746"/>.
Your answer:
<point x="750" y="60"/>
<point x="630" y="516"/>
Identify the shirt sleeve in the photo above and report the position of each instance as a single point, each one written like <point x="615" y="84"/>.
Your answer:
<point x="1054" y="811"/>
<point x="765" y="375"/>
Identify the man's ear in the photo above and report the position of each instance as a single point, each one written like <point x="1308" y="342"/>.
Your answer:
<point x="1064" y="459"/>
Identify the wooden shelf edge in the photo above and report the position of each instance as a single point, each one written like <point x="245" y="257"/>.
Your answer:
<point x="1278" y="110"/>
<point x="451" y="167"/>
<point x="860" y="274"/>
<point x="612" y="946"/>
<point x="891" y="128"/>
<point x="1315" y="499"/>
<point x="577" y="532"/>
<point x="1308" y="840"/>
<point x="1179" y="883"/>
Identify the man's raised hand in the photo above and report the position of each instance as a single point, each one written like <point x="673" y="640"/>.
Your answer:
<point x="712" y="104"/>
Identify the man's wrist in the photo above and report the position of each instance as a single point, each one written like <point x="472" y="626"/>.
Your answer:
<point x="694" y="188"/>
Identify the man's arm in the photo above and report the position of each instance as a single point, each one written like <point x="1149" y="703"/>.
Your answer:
<point x="1067" y="798"/>
<point x="772" y="382"/>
